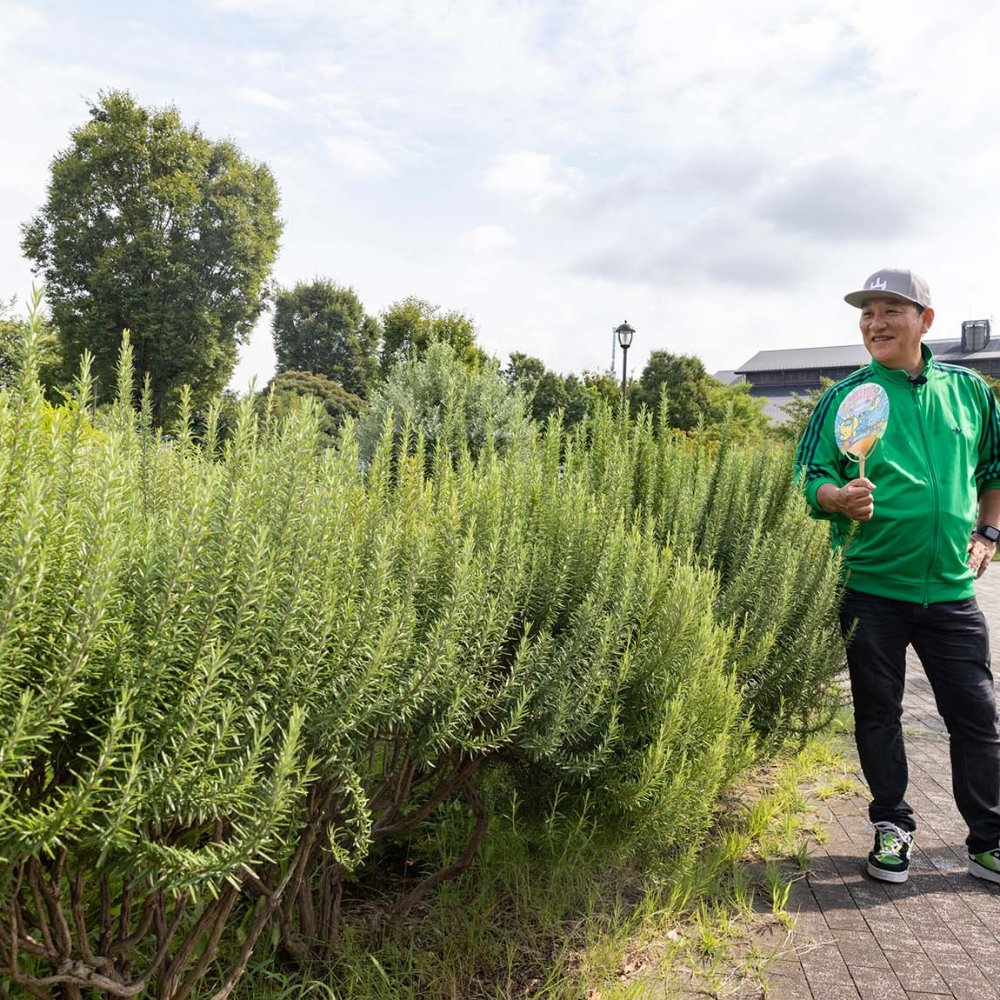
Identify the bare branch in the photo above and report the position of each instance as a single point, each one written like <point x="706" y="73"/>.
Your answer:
<point x="443" y="791"/>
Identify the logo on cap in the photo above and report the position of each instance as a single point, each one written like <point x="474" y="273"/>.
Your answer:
<point x="892" y="282"/>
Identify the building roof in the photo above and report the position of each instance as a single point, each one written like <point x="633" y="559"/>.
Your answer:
<point x="727" y="376"/>
<point x="852" y="356"/>
<point x="844" y="356"/>
<point x="951" y="351"/>
<point x="773" y="403"/>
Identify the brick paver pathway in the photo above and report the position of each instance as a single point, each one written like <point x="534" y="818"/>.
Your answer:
<point x="938" y="934"/>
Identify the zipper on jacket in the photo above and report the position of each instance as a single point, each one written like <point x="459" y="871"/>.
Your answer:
<point x="915" y="388"/>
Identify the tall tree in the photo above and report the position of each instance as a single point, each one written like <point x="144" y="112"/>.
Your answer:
<point x="321" y="327"/>
<point x="734" y="414"/>
<point x="411" y="325"/>
<point x="10" y="336"/>
<point x="601" y="387"/>
<point x="524" y="372"/>
<point x="148" y="225"/>
<point x="684" y="379"/>
<point x="547" y="392"/>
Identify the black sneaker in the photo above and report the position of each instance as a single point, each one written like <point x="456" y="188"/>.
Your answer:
<point x="890" y="858"/>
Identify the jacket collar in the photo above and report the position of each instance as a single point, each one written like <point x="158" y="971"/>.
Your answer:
<point x="896" y="376"/>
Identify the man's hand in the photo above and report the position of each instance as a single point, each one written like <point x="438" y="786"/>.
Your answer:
<point x="854" y="499"/>
<point x="981" y="553"/>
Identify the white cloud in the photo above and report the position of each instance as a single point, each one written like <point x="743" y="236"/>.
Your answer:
<point x="261" y="98"/>
<point x="718" y="176"/>
<point x="263" y="58"/>
<point x="18" y="20"/>
<point x="489" y="238"/>
<point x="329" y="69"/>
<point x="718" y="249"/>
<point x="841" y="199"/>
<point x="531" y="177"/>
<point x="345" y="108"/>
<point x="272" y="8"/>
<point x="358" y="156"/>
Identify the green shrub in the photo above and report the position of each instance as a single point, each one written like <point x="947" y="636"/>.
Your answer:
<point x="446" y="402"/>
<point x="338" y="405"/>
<point x="231" y="669"/>
<point x="737" y="511"/>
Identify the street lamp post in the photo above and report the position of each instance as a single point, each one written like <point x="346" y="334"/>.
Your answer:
<point x="625" y="333"/>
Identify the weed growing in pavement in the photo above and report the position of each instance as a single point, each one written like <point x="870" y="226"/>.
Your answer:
<point x="801" y="855"/>
<point x="778" y="887"/>
<point x="838" y="786"/>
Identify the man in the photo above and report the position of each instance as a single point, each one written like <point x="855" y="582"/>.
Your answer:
<point x="913" y="544"/>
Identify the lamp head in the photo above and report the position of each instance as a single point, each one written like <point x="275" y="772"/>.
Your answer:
<point x="625" y="333"/>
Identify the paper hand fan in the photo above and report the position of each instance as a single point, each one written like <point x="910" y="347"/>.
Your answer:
<point x="861" y="421"/>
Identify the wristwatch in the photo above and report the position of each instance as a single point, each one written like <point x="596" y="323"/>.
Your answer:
<point x="988" y="532"/>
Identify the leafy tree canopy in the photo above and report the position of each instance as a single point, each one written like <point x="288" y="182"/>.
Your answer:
<point x="524" y="372"/>
<point x="733" y="412"/>
<point x="411" y="325"/>
<point x="148" y="225"/>
<point x="695" y="401"/>
<point x="602" y="386"/>
<point x="9" y="340"/>
<point x="338" y="404"/>
<point x="683" y="380"/>
<point x="547" y="392"/>
<point x="321" y="327"/>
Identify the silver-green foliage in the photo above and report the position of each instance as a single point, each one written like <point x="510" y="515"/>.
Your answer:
<point x="228" y="669"/>
<point x="445" y="400"/>
<point x="142" y="762"/>
<point x="738" y="513"/>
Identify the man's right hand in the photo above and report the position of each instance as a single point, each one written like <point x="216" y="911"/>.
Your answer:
<point x="854" y="499"/>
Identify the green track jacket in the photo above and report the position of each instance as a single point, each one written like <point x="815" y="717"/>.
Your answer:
<point x="941" y="450"/>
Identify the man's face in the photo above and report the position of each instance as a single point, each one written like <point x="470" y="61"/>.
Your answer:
<point x="892" y="330"/>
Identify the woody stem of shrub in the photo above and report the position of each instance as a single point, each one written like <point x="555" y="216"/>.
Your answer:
<point x="471" y="795"/>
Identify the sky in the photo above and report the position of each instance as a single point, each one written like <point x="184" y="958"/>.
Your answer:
<point x="718" y="175"/>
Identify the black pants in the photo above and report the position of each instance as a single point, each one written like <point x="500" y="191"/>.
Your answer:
<point x="953" y="644"/>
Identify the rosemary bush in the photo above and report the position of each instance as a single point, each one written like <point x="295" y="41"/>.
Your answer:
<point x="447" y="401"/>
<point x="230" y="668"/>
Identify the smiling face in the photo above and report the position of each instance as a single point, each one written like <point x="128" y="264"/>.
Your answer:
<point x="892" y="330"/>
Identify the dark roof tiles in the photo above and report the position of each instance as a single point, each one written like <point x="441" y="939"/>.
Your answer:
<point x="851" y="356"/>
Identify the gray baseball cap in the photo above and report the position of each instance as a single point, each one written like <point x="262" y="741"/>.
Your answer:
<point x="892" y="283"/>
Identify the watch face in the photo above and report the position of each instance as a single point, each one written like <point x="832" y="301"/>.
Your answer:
<point x="988" y="531"/>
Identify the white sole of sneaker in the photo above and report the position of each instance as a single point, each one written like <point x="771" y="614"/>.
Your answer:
<point x="883" y="876"/>
<point x="980" y="871"/>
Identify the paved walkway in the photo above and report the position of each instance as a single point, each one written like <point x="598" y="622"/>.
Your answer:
<point x="938" y="934"/>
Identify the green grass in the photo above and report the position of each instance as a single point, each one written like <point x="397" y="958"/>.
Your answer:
<point x="554" y="908"/>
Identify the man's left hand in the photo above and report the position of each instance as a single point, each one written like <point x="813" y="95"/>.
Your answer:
<point x="981" y="553"/>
